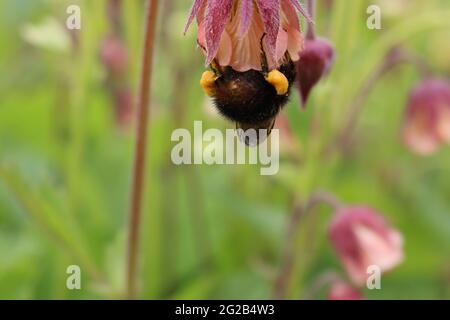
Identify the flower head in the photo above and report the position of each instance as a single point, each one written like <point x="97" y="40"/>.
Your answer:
<point x="427" y="117"/>
<point x="341" y="290"/>
<point x="363" y="238"/>
<point x="315" y="62"/>
<point x="236" y="32"/>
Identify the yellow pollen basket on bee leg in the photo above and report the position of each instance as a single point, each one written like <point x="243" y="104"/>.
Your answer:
<point x="279" y="81"/>
<point x="207" y="82"/>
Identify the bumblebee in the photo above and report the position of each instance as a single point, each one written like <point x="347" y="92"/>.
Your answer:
<point x="252" y="99"/>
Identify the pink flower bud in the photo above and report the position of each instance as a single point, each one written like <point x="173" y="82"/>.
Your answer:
<point x="114" y="54"/>
<point x="362" y="238"/>
<point x="341" y="290"/>
<point x="315" y="62"/>
<point x="427" y="117"/>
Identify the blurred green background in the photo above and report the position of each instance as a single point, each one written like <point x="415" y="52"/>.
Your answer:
<point x="66" y="148"/>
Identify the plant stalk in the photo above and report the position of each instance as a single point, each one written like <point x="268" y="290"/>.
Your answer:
<point x="288" y="260"/>
<point x="311" y="33"/>
<point x="395" y="57"/>
<point x="137" y="186"/>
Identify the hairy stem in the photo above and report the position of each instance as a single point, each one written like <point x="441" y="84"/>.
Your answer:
<point x="140" y="149"/>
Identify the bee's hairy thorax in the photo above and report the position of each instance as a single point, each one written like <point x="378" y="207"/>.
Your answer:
<point x="248" y="98"/>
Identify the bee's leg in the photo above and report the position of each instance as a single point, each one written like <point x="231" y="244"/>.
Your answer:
<point x="217" y="68"/>
<point x="279" y="81"/>
<point x="208" y="79"/>
<point x="275" y="77"/>
<point x="208" y="82"/>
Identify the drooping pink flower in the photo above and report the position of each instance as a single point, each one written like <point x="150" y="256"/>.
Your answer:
<point x="315" y="62"/>
<point x="341" y="290"/>
<point x="361" y="238"/>
<point x="235" y="32"/>
<point x="427" y="117"/>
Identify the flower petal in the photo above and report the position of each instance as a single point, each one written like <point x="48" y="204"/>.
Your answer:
<point x="246" y="17"/>
<point x="420" y="141"/>
<point x="246" y="51"/>
<point x="302" y="10"/>
<point x="443" y="123"/>
<point x="269" y="11"/>
<point x="217" y="16"/>
<point x="295" y="43"/>
<point x="291" y="24"/>
<point x="383" y="250"/>
<point x="225" y="50"/>
<point x="201" y="36"/>
<point x="341" y="290"/>
<point x="290" y="13"/>
<point x="194" y="11"/>
<point x="282" y="44"/>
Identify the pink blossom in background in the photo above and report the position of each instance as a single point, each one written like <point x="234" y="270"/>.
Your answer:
<point x="361" y="238"/>
<point x="427" y="117"/>
<point x="341" y="290"/>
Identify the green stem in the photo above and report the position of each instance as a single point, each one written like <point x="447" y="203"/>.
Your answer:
<point x="289" y="260"/>
<point x="394" y="58"/>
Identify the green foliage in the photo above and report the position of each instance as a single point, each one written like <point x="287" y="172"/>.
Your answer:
<point x="208" y="231"/>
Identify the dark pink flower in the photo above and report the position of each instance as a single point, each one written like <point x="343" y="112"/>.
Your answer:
<point x="427" y="117"/>
<point x="361" y="238"/>
<point x="234" y="32"/>
<point x="315" y="61"/>
<point x="341" y="290"/>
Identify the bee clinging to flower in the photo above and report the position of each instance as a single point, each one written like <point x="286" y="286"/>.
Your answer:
<point x="250" y="47"/>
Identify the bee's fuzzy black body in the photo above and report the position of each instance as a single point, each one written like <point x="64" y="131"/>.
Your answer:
<point x="248" y="99"/>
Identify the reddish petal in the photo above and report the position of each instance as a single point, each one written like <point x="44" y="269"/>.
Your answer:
<point x="224" y="53"/>
<point x="246" y="51"/>
<point x="217" y="16"/>
<point x="292" y="27"/>
<point x="382" y="249"/>
<point x="295" y="43"/>
<point x="201" y="36"/>
<point x="302" y="10"/>
<point x="194" y="11"/>
<point x="341" y="290"/>
<point x="362" y="237"/>
<point x="420" y="137"/>
<point x="282" y="44"/>
<point x="443" y="125"/>
<point x="290" y="13"/>
<point x="270" y="14"/>
<point x="246" y="17"/>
